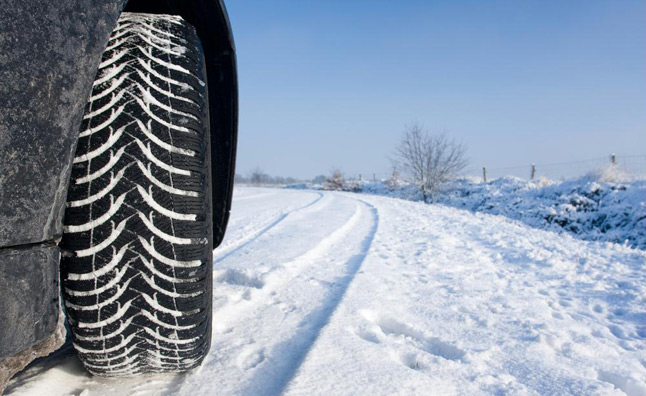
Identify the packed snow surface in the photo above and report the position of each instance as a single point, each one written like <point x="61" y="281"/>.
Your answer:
<point x="351" y="294"/>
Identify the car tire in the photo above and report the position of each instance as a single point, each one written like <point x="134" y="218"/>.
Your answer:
<point x="138" y="237"/>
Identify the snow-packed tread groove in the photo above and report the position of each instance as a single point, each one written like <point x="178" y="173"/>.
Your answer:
<point x="114" y="85"/>
<point x="138" y="287"/>
<point x="154" y="86"/>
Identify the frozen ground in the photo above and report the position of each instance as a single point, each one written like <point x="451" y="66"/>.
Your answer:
<point x="350" y="294"/>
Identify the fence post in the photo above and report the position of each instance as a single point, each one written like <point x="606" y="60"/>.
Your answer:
<point x="613" y="160"/>
<point x="484" y="173"/>
<point x="360" y="179"/>
<point x="374" y="177"/>
<point x="533" y="171"/>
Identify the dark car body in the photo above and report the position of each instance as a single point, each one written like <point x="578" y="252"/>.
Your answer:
<point x="49" y="55"/>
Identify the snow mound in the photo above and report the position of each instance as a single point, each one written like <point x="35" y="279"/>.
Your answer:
<point x="587" y="208"/>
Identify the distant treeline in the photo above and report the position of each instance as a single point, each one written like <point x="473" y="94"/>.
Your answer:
<point x="259" y="178"/>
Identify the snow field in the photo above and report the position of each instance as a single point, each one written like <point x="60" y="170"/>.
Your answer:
<point x="341" y="294"/>
<point x="451" y="302"/>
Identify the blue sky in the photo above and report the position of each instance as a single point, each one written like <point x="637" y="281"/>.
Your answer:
<point x="332" y="84"/>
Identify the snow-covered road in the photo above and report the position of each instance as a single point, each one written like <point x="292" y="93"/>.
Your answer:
<point x="349" y="294"/>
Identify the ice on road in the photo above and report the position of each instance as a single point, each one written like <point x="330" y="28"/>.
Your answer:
<point x="349" y="294"/>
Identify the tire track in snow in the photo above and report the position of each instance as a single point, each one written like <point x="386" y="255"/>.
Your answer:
<point x="245" y="241"/>
<point x="279" y="278"/>
<point x="275" y="380"/>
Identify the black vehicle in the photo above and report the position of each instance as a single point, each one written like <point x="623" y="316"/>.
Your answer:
<point x="118" y="125"/>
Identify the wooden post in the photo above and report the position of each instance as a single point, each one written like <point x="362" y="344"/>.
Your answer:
<point x="613" y="160"/>
<point x="360" y="177"/>
<point x="374" y="177"/>
<point x="533" y="171"/>
<point x="484" y="173"/>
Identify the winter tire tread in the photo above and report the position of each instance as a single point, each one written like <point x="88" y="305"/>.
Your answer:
<point x="137" y="286"/>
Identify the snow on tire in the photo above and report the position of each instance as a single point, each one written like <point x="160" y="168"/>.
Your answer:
<point x="138" y="232"/>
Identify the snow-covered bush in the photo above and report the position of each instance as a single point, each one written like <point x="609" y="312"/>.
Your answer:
<point x="588" y="207"/>
<point x="337" y="182"/>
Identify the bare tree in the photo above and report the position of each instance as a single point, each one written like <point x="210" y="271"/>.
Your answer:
<point x="429" y="159"/>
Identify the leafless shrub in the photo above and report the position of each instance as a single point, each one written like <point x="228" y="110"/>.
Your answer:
<point x="336" y="181"/>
